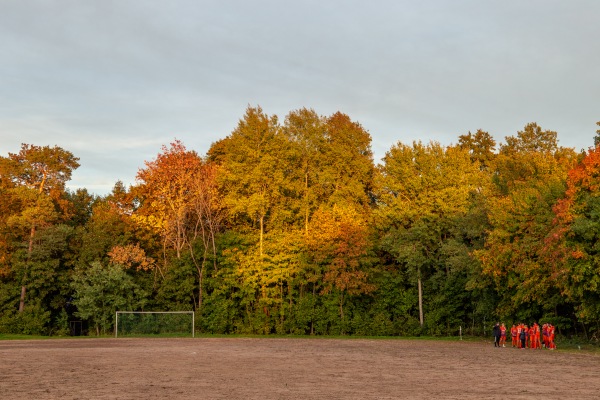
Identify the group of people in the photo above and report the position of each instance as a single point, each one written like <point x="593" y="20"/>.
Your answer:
<point x="533" y="337"/>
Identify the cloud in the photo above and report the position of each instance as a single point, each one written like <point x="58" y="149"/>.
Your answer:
<point x="112" y="81"/>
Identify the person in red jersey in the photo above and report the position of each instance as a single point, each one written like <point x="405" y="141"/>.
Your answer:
<point x="538" y="342"/>
<point x="532" y="342"/>
<point x="513" y="333"/>
<point x="545" y="334"/>
<point x="551" y="337"/>
<point x="531" y="334"/>
<point x="503" y="335"/>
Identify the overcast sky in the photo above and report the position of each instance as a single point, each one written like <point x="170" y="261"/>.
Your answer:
<point x="113" y="81"/>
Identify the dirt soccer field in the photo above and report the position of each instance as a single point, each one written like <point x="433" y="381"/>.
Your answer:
<point x="290" y="369"/>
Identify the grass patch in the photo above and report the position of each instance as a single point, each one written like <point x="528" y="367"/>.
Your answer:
<point x="155" y="335"/>
<point x="244" y="336"/>
<point x="341" y="337"/>
<point x="577" y="345"/>
<point x="5" y="336"/>
<point x="570" y="345"/>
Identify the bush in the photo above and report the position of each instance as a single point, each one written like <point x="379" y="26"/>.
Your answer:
<point x="32" y="321"/>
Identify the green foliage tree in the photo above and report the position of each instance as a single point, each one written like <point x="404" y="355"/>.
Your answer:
<point x="81" y="204"/>
<point x="101" y="290"/>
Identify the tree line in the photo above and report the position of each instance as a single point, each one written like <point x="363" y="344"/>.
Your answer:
<point x="289" y="227"/>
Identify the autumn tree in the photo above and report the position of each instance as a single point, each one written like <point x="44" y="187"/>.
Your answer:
<point x="275" y="178"/>
<point x="209" y="214"/>
<point x="36" y="177"/>
<point x="421" y="189"/>
<point x="253" y="177"/>
<point x="9" y="238"/>
<point x="348" y="170"/>
<point x="306" y="131"/>
<point x="131" y="256"/>
<point x="339" y="244"/>
<point x="108" y="225"/>
<point x="572" y="250"/>
<point x="529" y="174"/>
<point x="480" y="145"/>
<point x="165" y="196"/>
<point x="180" y="199"/>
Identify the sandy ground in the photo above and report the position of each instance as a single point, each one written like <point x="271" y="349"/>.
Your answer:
<point x="290" y="369"/>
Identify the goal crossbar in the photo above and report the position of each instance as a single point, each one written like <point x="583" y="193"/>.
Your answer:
<point x="117" y="313"/>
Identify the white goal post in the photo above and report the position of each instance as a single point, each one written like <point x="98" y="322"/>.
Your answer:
<point x="142" y="313"/>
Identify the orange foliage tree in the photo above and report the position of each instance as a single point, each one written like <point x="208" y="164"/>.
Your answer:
<point x="165" y="195"/>
<point x="131" y="256"/>
<point x="573" y="247"/>
<point x="339" y="244"/>
<point x="530" y="172"/>
<point x="179" y="199"/>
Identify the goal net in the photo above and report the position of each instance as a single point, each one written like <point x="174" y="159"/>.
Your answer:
<point x="154" y="323"/>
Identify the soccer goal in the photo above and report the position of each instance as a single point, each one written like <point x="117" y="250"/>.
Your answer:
<point x="154" y="323"/>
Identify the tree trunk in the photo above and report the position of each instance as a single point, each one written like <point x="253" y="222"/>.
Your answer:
<point x="22" y="302"/>
<point x="585" y="331"/>
<point x="420" y="297"/>
<point x="31" y="235"/>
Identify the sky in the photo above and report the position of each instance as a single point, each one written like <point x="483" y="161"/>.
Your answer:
<point x="114" y="81"/>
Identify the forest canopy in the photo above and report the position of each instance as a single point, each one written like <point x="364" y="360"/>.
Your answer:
<point x="289" y="227"/>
